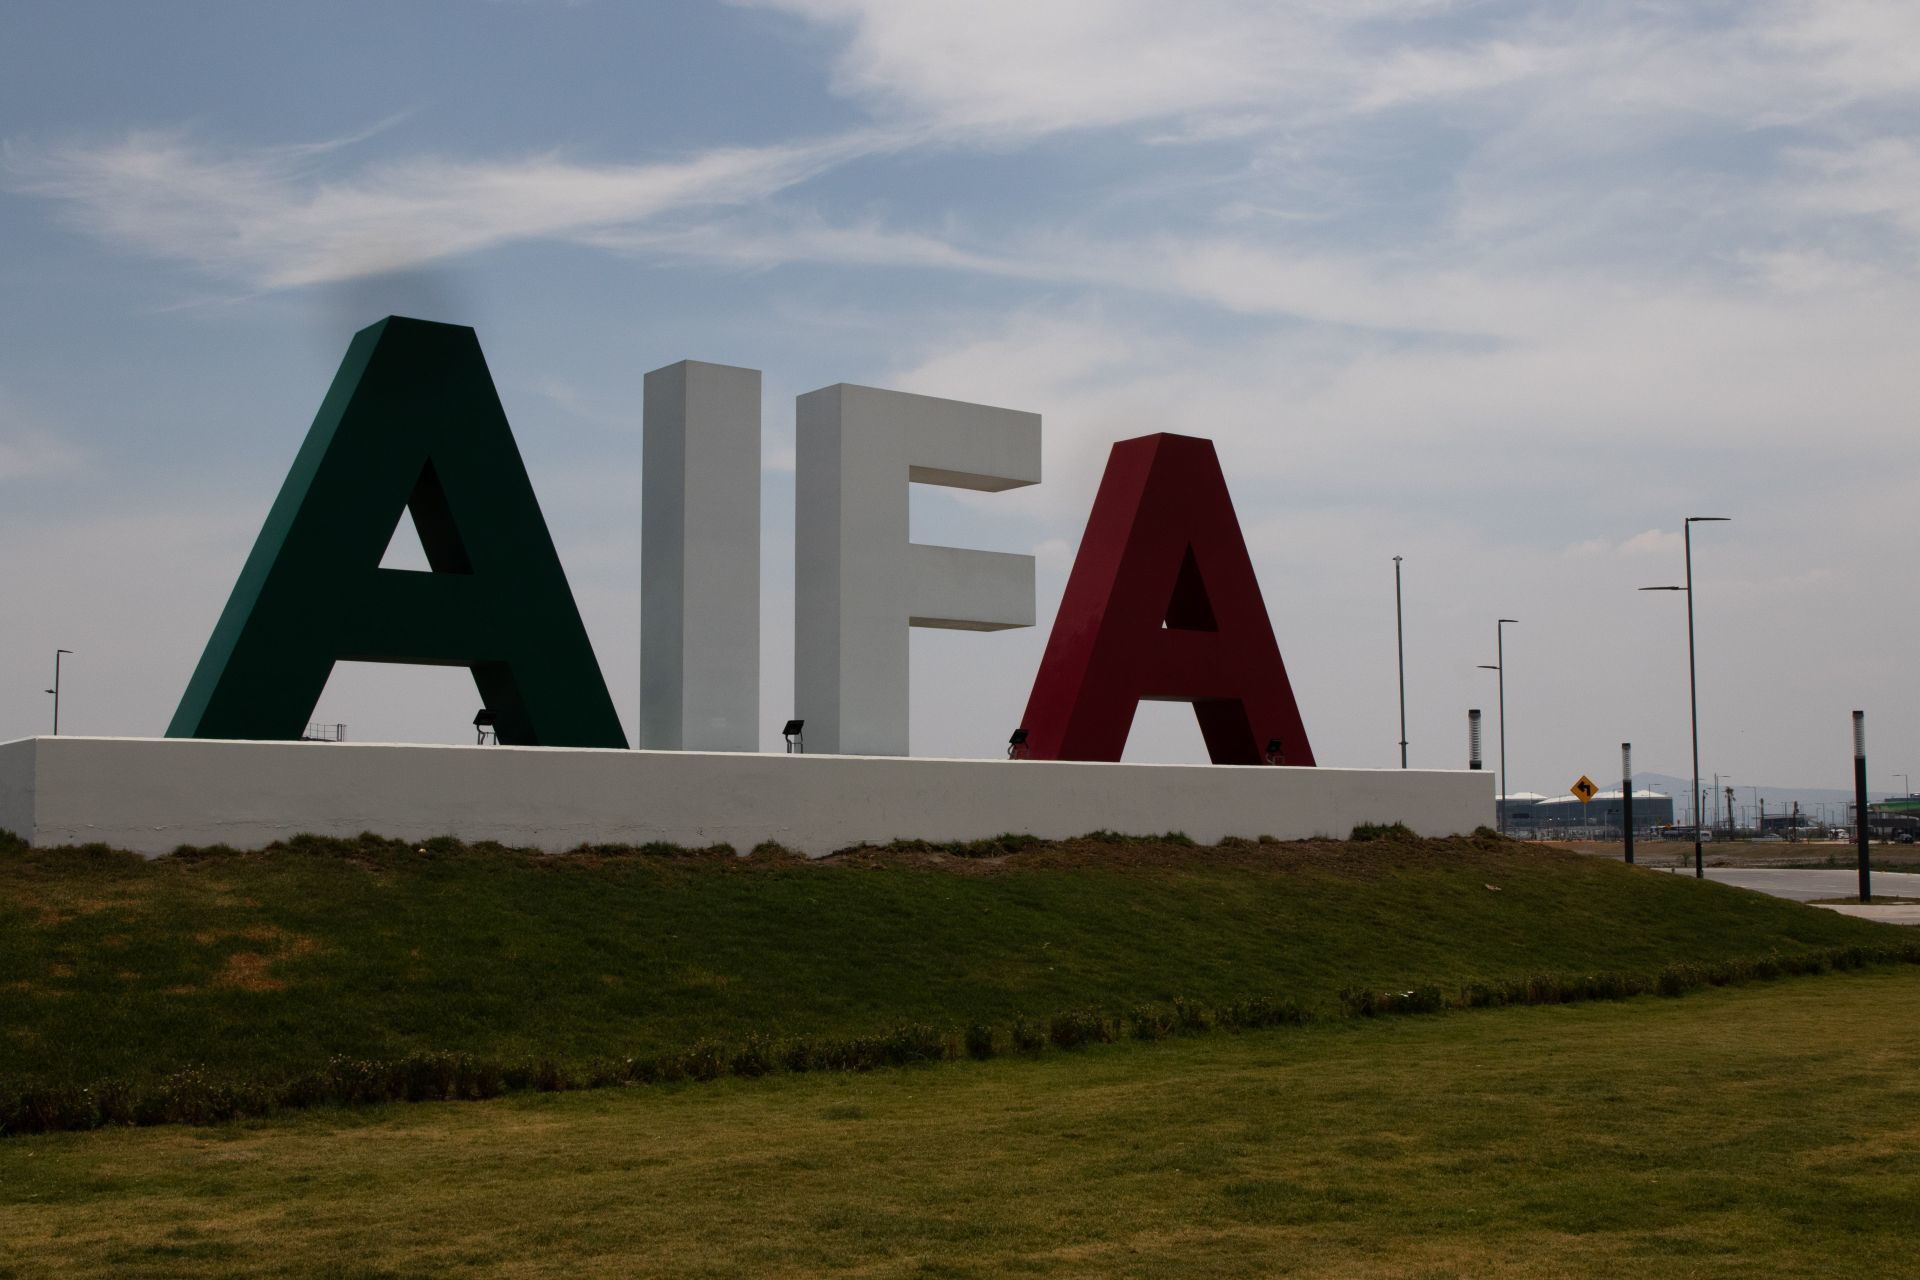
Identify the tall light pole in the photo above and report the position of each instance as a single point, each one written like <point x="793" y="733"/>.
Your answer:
<point x="1400" y="643"/>
<point x="1906" y="787"/>
<point x="1693" y="685"/>
<point x="55" y="691"/>
<point x="1500" y="666"/>
<point x="1860" y="810"/>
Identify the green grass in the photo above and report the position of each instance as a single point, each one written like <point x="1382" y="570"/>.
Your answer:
<point x="1759" y="1132"/>
<point x="266" y="964"/>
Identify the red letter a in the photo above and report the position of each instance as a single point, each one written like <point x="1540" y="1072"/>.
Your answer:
<point x="1163" y="604"/>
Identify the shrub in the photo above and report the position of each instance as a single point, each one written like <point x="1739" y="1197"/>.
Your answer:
<point x="702" y="1060"/>
<point x="755" y="1058"/>
<point x="1678" y="979"/>
<point x="11" y="843"/>
<point x="913" y="1042"/>
<point x="1382" y="831"/>
<point x="1261" y="1011"/>
<point x="194" y="1096"/>
<point x="1029" y="1036"/>
<point x="1081" y="1026"/>
<point x="1190" y="1016"/>
<point x="354" y="1081"/>
<point x="420" y="1077"/>
<point x="550" y="1077"/>
<point x="1150" y="1022"/>
<point x="853" y="1054"/>
<point x="978" y="1041"/>
<point x="992" y="847"/>
<point x="486" y="1080"/>
<point x="47" y="1109"/>
<point x="799" y="1055"/>
<point x="1357" y="1002"/>
<point x="602" y="1073"/>
<point x="1482" y="995"/>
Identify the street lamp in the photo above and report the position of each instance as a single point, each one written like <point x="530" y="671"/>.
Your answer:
<point x="1400" y="644"/>
<point x="1693" y="683"/>
<point x="1500" y="666"/>
<point x="1906" y="787"/>
<point x="55" y="691"/>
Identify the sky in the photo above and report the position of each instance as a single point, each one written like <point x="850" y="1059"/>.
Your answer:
<point x="1505" y="289"/>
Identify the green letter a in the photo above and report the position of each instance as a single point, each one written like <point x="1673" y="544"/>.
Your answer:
<point x="411" y="422"/>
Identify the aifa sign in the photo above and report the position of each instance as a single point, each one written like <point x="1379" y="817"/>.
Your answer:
<point x="1162" y="602"/>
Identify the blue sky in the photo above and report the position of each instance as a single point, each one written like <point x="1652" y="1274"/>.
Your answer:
<point x="1507" y="289"/>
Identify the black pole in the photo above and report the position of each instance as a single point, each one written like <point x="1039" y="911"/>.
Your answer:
<point x="1400" y="642"/>
<point x="1693" y="703"/>
<point x="55" y="691"/>
<point x="1473" y="738"/>
<point x="1860" y="800"/>
<point x="1626" y="798"/>
<point x="1500" y="656"/>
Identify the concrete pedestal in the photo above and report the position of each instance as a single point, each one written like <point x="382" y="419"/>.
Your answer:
<point x="151" y="795"/>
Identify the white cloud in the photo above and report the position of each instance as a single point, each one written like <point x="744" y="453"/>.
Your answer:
<point x="1565" y="110"/>
<point x="277" y="217"/>
<point x="1653" y="542"/>
<point x="1013" y="67"/>
<point x="29" y="448"/>
<point x="1019" y="68"/>
<point x="34" y="456"/>
<point x="1876" y="178"/>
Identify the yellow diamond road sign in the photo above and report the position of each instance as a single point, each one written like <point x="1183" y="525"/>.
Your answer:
<point x="1585" y="789"/>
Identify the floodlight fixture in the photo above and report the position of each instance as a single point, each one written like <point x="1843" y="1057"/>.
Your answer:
<point x="791" y="733"/>
<point x="1017" y="748"/>
<point x="1276" y="753"/>
<point x="483" y="725"/>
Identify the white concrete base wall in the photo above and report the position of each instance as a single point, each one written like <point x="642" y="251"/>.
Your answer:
<point x="151" y="795"/>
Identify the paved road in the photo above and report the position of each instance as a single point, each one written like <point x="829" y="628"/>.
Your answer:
<point x="1839" y="882"/>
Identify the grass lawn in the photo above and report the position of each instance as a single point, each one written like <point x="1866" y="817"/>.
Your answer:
<point x="1769" y="1130"/>
<point x="265" y="964"/>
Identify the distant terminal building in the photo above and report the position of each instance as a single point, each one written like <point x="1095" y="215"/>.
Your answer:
<point x="1894" y="819"/>
<point x="1517" y="810"/>
<point x="1528" y="813"/>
